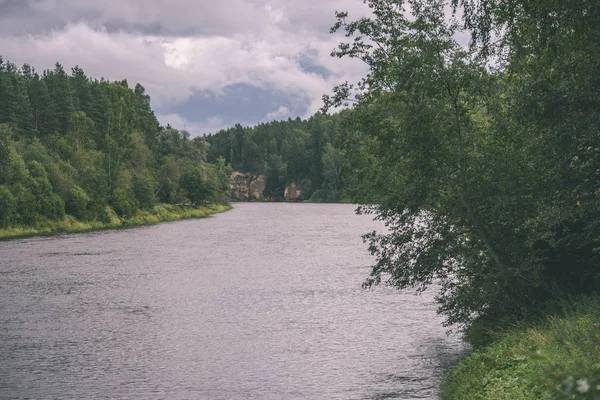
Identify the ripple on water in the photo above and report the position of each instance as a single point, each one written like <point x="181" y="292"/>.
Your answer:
<point x="262" y="302"/>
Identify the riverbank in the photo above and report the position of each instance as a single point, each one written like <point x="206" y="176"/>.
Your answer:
<point x="158" y="213"/>
<point x="554" y="359"/>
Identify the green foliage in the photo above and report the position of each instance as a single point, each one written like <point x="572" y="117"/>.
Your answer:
<point x="159" y="213"/>
<point x="8" y="207"/>
<point x="80" y="133"/>
<point x="52" y="206"/>
<point x="124" y="202"/>
<point x="12" y="167"/>
<point x="80" y="143"/>
<point x="482" y="162"/>
<point x="333" y="161"/>
<point x="275" y="173"/>
<point x="27" y="205"/>
<point x="37" y="171"/>
<point x="77" y="203"/>
<point x="554" y="359"/>
<point x="144" y="187"/>
<point x="48" y="203"/>
<point x="98" y="210"/>
<point x="194" y="183"/>
<point x="220" y="175"/>
<point x="283" y="152"/>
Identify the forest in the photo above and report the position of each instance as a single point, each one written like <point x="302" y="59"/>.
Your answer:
<point x="88" y="148"/>
<point x="300" y="151"/>
<point x="93" y="150"/>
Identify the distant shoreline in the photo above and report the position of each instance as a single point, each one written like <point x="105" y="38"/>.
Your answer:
<point x="159" y="213"/>
<point x="280" y="201"/>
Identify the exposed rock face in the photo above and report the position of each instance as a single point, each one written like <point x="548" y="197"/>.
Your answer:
<point x="246" y="187"/>
<point x="292" y="193"/>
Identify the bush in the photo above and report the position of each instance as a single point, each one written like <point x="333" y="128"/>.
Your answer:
<point x="8" y="207"/>
<point x="27" y="206"/>
<point x="193" y="182"/>
<point x="143" y="189"/>
<point x="124" y="202"/>
<point x="77" y="203"/>
<point x="37" y="170"/>
<point x="52" y="206"/>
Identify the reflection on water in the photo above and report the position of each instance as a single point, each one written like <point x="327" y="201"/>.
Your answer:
<point x="262" y="302"/>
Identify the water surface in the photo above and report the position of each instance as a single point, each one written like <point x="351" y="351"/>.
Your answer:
<point x="262" y="302"/>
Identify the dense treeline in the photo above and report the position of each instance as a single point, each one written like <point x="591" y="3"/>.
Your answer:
<point x="92" y="148"/>
<point x="300" y="151"/>
<point x="483" y="161"/>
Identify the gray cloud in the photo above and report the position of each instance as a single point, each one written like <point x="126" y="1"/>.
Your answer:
<point x="206" y="64"/>
<point x="172" y="18"/>
<point x="13" y="7"/>
<point x="175" y="18"/>
<point x="240" y="103"/>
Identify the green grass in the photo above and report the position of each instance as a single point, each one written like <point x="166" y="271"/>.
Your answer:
<point x="159" y="213"/>
<point x="554" y="359"/>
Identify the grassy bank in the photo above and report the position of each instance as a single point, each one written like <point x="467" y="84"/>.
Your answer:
<point x="555" y="359"/>
<point x="159" y="213"/>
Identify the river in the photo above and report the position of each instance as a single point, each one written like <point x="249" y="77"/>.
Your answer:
<point x="261" y="302"/>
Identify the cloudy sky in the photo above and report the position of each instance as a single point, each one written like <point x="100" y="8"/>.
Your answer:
<point x="206" y="64"/>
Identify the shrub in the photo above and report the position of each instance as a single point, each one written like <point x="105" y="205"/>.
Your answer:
<point x="52" y="206"/>
<point x="27" y="206"/>
<point x="77" y="203"/>
<point x="8" y="207"/>
<point x="143" y="189"/>
<point x="193" y="181"/>
<point x="124" y="202"/>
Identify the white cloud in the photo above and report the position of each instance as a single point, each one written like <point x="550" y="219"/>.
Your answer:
<point x="280" y="113"/>
<point x="210" y="125"/>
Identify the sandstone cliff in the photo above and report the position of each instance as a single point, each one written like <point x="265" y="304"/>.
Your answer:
<point x="246" y="187"/>
<point x="292" y="193"/>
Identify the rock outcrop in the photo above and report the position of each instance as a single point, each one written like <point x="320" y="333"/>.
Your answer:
<point x="249" y="187"/>
<point x="246" y="187"/>
<point x="292" y="193"/>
